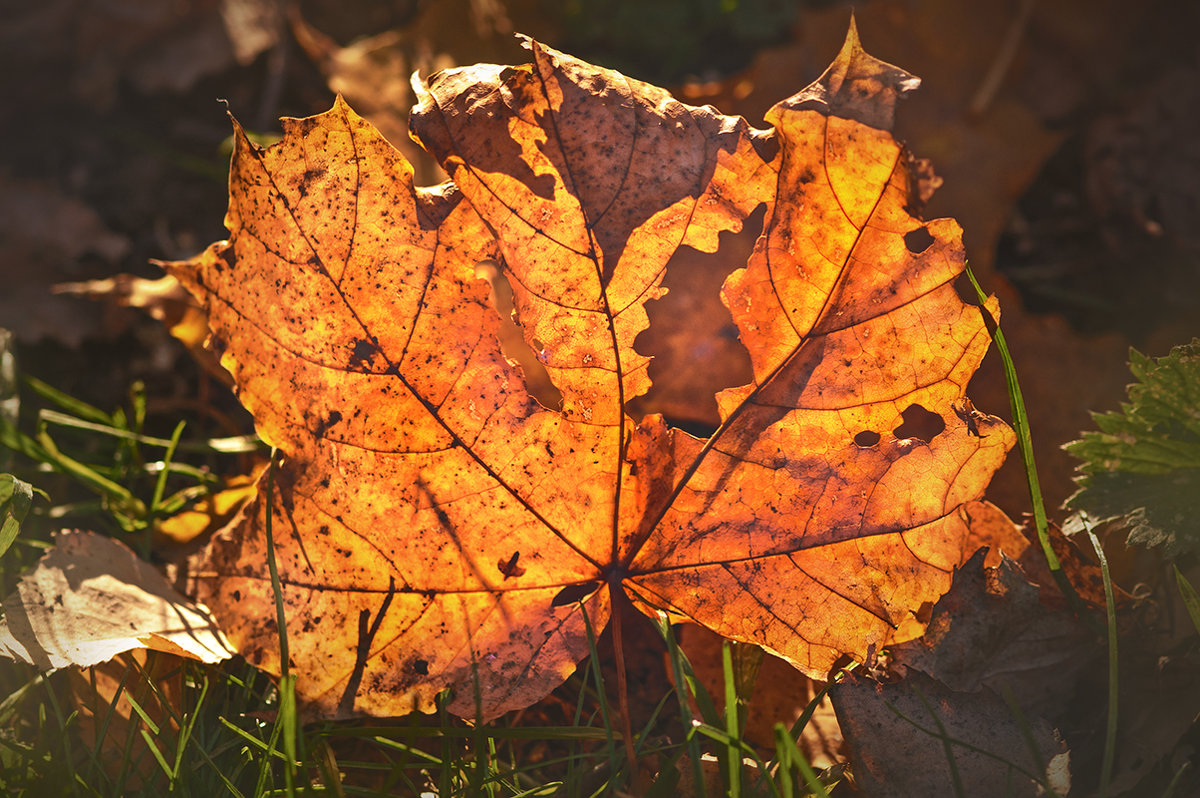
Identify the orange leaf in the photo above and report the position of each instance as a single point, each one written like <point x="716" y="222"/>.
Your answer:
<point x="436" y="527"/>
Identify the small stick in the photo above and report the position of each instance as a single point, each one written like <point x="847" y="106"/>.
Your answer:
<point x="1002" y="62"/>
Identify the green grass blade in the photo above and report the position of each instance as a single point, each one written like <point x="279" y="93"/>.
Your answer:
<point x="83" y="473"/>
<point x="289" y="722"/>
<point x="1025" y="445"/>
<point x="148" y="739"/>
<point x="1110" y="730"/>
<point x="1190" y="599"/>
<point x="160" y="484"/>
<point x="790" y="755"/>
<point x="286" y="721"/>
<point x="273" y="569"/>
<point x="601" y="693"/>
<point x="1169" y="792"/>
<point x="327" y="764"/>
<point x="102" y="719"/>
<point x="63" y="723"/>
<point x="254" y="743"/>
<point x="186" y="728"/>
<point x="783" y="761"/>
<point x="141" y="713"/>
<point x="680" y="667"/>
<point x="445" y="772"/>
<point x="75" y="407"/>
<point x="11" y="703"/>
<point x="733" y="757"/>
<point x="236" y="444"/>
<point x="229" y="785"/>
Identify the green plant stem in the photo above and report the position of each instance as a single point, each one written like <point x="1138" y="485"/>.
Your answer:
<point x="732" y="725"/>
<point x="1025" y="445"/>
<point x="287" y="682"/>
<point x="1110" y="731"/>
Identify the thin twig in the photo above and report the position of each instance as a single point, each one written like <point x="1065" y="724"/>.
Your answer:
<point x="1000" y="65"/>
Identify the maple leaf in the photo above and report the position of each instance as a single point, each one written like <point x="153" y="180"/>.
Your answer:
<point x="893" y="729"/>
<point x="436" y="527"/>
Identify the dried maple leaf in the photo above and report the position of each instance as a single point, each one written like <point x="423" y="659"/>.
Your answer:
<point x="436" y="527"/>
<point x="893" y="731"/>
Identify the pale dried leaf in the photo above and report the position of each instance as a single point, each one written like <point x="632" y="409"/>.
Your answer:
<point x="91" y="598"/>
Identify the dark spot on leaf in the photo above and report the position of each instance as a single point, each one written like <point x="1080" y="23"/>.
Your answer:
<point x="573" y="593"/>
<point x="970" y="416"/>
<point x="421" y="667"/>
<point x="364" y="350"/>
<point x="509" y="567"/>
<point x="919" y="423"/>
<point x="237" y="595"/>
<point x="918" y="240"/>
<point x="866" y="439"/>
<point x="325" y="423"/>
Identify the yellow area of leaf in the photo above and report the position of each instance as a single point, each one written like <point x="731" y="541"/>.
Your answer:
<point x="436" y="527"/>
<point x="212" y="512"/>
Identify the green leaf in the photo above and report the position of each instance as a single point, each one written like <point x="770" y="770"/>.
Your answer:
<point x="1142" y="465"/>
<point x="1190" y="598"/>
<point x="16" y="497"/>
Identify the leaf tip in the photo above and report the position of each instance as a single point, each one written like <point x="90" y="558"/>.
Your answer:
<point x="856" y="86"/>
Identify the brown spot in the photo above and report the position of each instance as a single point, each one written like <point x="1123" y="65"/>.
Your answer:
<point x="510" y="568"/>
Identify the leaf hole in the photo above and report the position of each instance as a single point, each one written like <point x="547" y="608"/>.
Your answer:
<point x="690" y="325"/>
<point x="918" y="240"/>
<point x="866" y="439"/>
<point x="919" y="423"/>
<point x="965" y="291"/>
<point x="512" y="336"/>
<point x="573" y="593"/>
